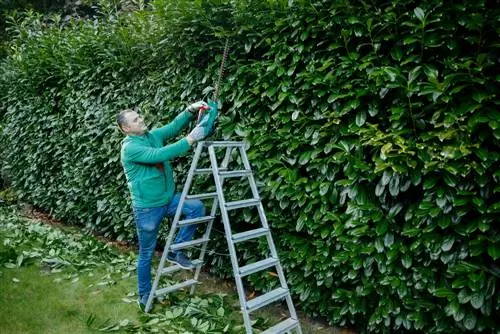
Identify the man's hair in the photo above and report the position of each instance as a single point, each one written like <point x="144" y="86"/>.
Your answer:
<point x="120" y="118"/>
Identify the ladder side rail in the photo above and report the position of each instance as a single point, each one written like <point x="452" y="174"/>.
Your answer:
<point x="178" y="212"/>
<point x="232" y="250"/>
<point x="272" y="247"/>
<point x="206" y="235"/>
<point x="213" y="212"/>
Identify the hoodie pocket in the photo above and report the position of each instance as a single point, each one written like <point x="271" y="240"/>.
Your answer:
<point x="152" y="188"/>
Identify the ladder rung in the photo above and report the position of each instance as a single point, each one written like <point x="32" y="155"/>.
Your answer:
<point x="224" y="143"/>
<point x="202" y="196"/>
<point x="173" y="268"/>
<point x="187" y="244"/>
<point x="236" y="173"/>
<point x="242" y="204"/>
<point x="257" y="266"/>
<point x="247" y="235"/>
<point x="206" y="170"/>
<point x="266" y="299"/>
<point x="198" y="220"/>
<point x="203" y="171"/>
<point x="282" y="327"/>
<point x="175" y="287"/>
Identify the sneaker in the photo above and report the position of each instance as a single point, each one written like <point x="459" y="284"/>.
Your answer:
<point x="180" y="259"/>
<point x="142" y="301"/>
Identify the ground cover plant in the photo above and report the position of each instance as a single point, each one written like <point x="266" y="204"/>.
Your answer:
<point x="64" y="281"/>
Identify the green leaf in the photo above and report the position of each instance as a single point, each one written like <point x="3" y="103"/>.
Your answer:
<point x="490" y="288"/>
<point x="385" y="150"/>
<point x="431" y="72"/>
<point x="300" y="224"/>
<point x="463" y="296"/>
<point x="386" y="177"/>
<point x="444" y="221"/>
<point x="305" y="157"/>
<point x="389" y="239"/>
<point x="477" y="300"/>
<point x="416" y="177"/>
<point x="323" y="189"/>
<point x="430" y="183"/>
<point x="220" y="311"/>
<point x="381" y="227"/>
<point x="406" y="261"/>
<point x="360" y="118"/>
<point x="470" y="321"/>
<point x="396" y="53"/>
<point x="450" y="180"/>
<point x="248" y="47"/>
<point x="447" y="243"/>
<point x="394" y="185"/>
<point x="345" y="146"/>
<point x="379" y="189"/>
<point x="494" y="251"/>
<point x="444" y="292"/>
<point x="410" y="40"/>
<point x="459" y="315"/>
<point x="452" y="308"/>
<point x="395" y="210"/>
<point x="419" y="13"/>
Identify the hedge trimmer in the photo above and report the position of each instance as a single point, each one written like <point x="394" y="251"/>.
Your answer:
<point x="208" y="115"/>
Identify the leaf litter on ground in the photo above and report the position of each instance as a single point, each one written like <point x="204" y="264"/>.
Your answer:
<point x="70" y="254"/>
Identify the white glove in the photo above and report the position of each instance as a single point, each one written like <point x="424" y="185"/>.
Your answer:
<point x="198" y="133"/>
<point x="196" y="106"/>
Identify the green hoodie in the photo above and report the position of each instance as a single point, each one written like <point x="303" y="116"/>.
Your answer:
<point x="145" y="159"/>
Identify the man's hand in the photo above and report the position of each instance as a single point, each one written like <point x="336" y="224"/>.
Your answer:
<point x="192" y="108"/>
<point x="198" y="133"/>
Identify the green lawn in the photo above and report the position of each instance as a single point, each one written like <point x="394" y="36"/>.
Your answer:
<point x="56" y="280"/>
<point x="33" y="301"/>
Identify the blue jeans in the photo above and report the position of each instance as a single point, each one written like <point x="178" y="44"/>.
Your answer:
<point x="147" y="222"/>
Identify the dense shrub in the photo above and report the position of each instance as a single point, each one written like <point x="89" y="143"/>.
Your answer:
<point x="373" y="131"/>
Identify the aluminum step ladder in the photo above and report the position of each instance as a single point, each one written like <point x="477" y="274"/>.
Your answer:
<point x="220" y="173"/>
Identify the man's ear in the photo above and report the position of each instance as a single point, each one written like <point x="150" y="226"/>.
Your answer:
<point x="123" y="129"/>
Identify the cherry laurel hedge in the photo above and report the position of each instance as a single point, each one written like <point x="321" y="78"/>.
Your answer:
<point x="373" y="131"/>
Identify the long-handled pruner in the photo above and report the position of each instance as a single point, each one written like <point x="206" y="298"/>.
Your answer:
<point x="208" y="119"/>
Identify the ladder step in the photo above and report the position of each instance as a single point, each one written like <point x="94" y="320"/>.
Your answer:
<point x="175" y="287"/>
<point x="282" y="327"/>
<point x="206" y="170"/>
<point x="266" y="299"/>
<point x="202" y="171"/>
<point x="236" y="173"/>
<point x="173" y="268"/>
<point x="198" y="220"/>
<point x="257" y="266"/>
<point x="247" y="235"/>
<point x="224" y="143"/>
<point x="242" y="204"/>
<point x="187" y="244"/>
<point x="202" y="196"/>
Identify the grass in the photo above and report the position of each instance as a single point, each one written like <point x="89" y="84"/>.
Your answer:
<point x="32" y="300"/>
<point x="56" y="280"/>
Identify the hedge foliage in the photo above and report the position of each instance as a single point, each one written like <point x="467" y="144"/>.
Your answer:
<point x="373" y="130"/>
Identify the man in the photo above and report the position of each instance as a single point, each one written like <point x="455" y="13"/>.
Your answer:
<point x="145" y="159"/>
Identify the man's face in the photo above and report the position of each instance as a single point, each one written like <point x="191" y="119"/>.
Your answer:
<point x="135" y="124"/>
